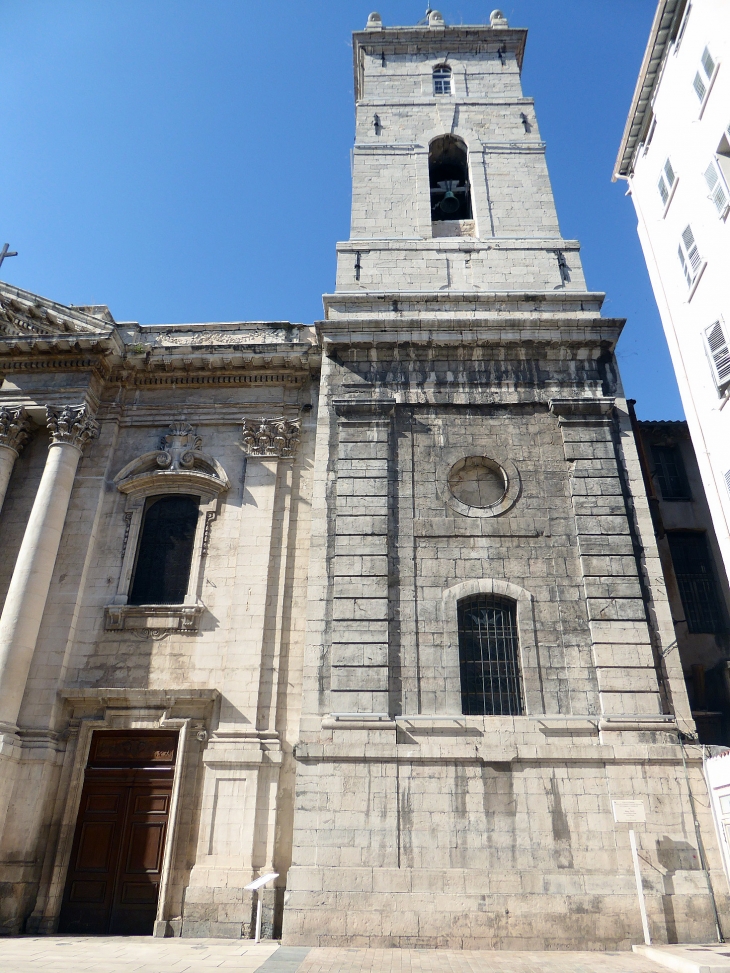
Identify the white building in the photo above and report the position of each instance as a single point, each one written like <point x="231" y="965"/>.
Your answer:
<point x="675" y="155"/>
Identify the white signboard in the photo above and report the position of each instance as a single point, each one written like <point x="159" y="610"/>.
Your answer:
<point x="630" y="811"/>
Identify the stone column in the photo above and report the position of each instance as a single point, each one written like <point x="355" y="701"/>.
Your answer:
<point x="14" y="431"/>
<point x="71" y="428"/>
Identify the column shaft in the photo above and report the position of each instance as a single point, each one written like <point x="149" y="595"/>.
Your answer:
<point x="26" y="598"/>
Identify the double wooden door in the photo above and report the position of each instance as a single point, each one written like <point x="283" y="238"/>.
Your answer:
<point x="116" y="861"/>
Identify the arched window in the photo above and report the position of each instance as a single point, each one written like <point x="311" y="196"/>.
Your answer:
<point x="448" y="176"/>
<point x="442" y="80"/>
<point x="165" y="552"/>
<point x="489" y="657"/>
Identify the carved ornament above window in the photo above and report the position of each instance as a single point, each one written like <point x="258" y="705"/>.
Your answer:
<point x="271" y="437"/>
<point x="179" y="464"/>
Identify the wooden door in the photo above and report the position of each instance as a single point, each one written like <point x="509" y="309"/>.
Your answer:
<point x="116" y="859"/>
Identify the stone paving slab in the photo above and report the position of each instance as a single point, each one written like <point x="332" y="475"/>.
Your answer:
<point x="690" y="957"/>
<point x="341" y="960"/>
<point x="132" y="954"/>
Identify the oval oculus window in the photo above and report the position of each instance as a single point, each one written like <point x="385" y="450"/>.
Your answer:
<point x="477" y="481"/>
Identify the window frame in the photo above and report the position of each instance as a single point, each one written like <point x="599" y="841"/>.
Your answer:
<point x="713" y="586"/>
<point x="446" y="72"/>
<point x="670" y="189"/>
<point x="687" y="263"/>
<point x="722" y="381"/>
<point x="719" y="186"/>
<point x="528" y="659"/>
<point x="658" y="472"/>
<point x="707" y="80"/>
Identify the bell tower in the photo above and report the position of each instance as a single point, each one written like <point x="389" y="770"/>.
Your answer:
<point x="488" y="663"/>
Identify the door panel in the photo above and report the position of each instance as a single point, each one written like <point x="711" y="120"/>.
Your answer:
<point x="116" y="860"/>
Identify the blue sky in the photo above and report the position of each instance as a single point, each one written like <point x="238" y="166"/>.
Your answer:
<point x="188" y="160"/>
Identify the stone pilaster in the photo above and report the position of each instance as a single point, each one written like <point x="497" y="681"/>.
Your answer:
<point x="14" y="432"/>
<point x="620" y="637"/>
<point x="360" y="572"/>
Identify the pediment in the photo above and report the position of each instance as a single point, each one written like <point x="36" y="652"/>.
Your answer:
<point x="26" y="316"/>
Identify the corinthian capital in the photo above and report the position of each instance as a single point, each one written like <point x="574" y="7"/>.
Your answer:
<point x="73" y="424"/>
<point x="271" y="437"/>
<point x="14" y="428"/>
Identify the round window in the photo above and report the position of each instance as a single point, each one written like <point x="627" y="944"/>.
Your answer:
<point x="477" y="481"/>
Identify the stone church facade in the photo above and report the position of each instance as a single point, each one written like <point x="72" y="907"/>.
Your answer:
<point x="373" y="604"/>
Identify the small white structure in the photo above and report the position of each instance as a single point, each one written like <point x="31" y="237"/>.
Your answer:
<point x="675" y="155"/>
<point x="717" y="772"/>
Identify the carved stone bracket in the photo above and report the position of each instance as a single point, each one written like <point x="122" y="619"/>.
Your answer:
<point x="14" y="428"/>
<point x="73" y="424"/>
<point x="271" y="437"/>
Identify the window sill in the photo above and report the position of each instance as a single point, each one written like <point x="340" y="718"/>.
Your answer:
<point x="153" y="621"/>
<point x="672" y="191"/>
<point x="695" y="282"/>
<point x="710" y="85"/>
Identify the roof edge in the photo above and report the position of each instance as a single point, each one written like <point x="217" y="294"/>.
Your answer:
<point x="663" y="32"/>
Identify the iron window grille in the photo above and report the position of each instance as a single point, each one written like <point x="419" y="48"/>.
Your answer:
<point x="442" y="80"/>
<point x="695" y="573"/>
<point x="488" y="657"/>
<point x="670" y="473"/>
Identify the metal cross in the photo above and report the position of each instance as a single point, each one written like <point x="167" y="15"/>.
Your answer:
<point x="7" y="253"/>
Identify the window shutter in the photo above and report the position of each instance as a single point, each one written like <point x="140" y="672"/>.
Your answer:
<point x="699" y="86"/>
<point x="707" y="63"/>
<point x="727" y="481"/>
<point x="669" y="171"/>
<point x="663" y="191"/>
<point x="717" y="189"/>
<point x="693" y="254"/>
<point x="717" y="342"/>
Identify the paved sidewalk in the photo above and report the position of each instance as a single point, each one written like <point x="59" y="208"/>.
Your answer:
<point x="132" y="954"/>
<point x="472" y="961"/>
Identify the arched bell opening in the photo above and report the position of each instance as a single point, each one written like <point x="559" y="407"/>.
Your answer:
<point x="448" y="175"/>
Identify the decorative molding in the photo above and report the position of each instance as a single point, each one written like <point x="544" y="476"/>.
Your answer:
<point x="177" y="466"/>
<point x="363" y="409"/>
<point x="72" y="425"/>
<point x="210" y="516"/>
<point x="14" y="428"/>
<point x="153" y="621"/>
<point x="177" y="448"/>
<point x="271" y="437"/>
<point x="20" y="319"/>
<point x="582" y="409"/>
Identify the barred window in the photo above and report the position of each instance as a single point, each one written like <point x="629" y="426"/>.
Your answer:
<point x="488" y="655"/>
<point x="165" y="552"/>
<point x="695" y="573"/>
<point x="670" y="473"/>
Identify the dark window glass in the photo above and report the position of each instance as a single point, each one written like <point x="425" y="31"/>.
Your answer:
<point x="490" y="673"/>
<point x="165" y="551"/>
<point x="448" y="173"/>
<point x="695" y="575"/>
<point x="670" y="473"/>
